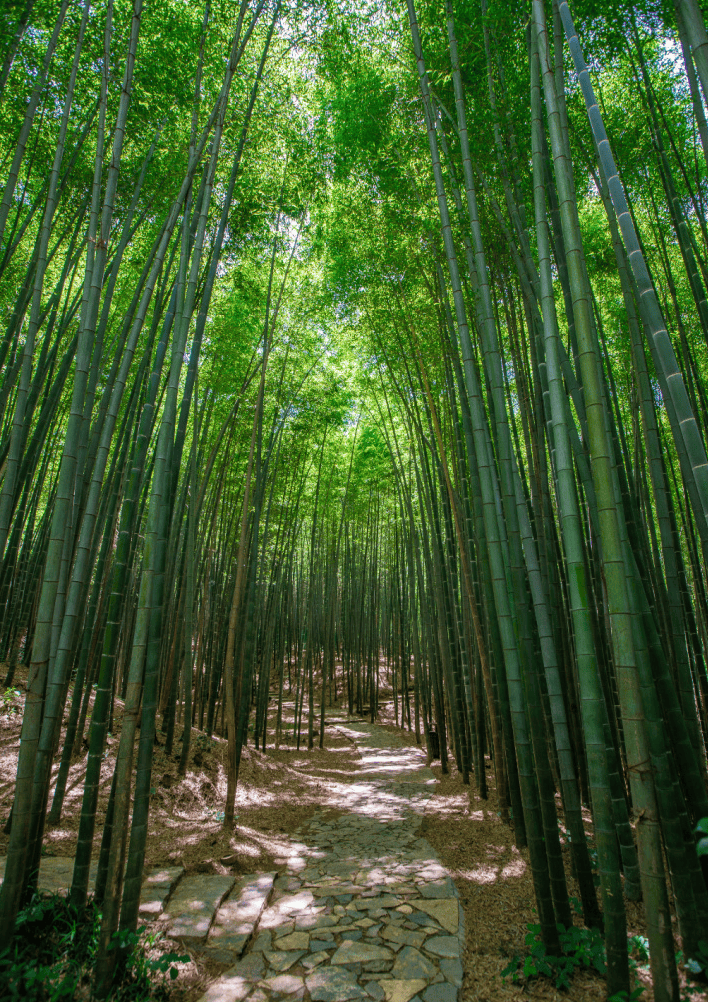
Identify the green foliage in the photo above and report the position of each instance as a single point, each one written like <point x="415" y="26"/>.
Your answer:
<point x="579" y="948"/>
<point x="702" y="829"/>
<point x="10" y="701"/>
<point x="52" y="954"/>
<point x="638" y="947"/>
<point x="698" y="964"/>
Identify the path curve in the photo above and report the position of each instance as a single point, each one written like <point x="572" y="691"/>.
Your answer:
<point x="365" y="910"/>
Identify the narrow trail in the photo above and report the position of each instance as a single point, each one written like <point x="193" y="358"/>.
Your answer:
<point x="362" y="907"/>
<point x="365" y="909"/>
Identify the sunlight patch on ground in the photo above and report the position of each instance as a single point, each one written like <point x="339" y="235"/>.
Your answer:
<point x="516" y="868"/>
<point x="481" y="874"/>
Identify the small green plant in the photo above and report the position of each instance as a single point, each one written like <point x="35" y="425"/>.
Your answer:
<point x="702" y="829"/>
<point x="580" y="948"/>
<point x="638" y="948"/>
<point x="52" y="955"/>
<point x="203" y="742"/>
<point x="9" y="701"/>
<point x="141" y="969"/>
<point x="698" y="964"/>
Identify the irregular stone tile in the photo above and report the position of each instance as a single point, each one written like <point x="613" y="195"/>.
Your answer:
<point x="411" y="963"/>
<point x="439" y="888"/>
<point x="335" y="891"/>
<point x="394" y="934"/>
<point x="401" y="990"/>
<point x="444" y="992"/>
<point x="443" y="946"/>
<point x="317" y="945"/>
<point x="192" y="906"/>
<point x="284" y="984"/>
<point x="292" y="903"/>
<point x="281" y="960"/>
<point x="235" y="984"/>
<point x="295" y="941"/>
<point x="262" y="942"/>
<point x="315" y="959"/>
<point x="332" y="984"/>
<point x="284" y="883"/>
<point x="452" y="969"/>
<point x="446" y="911"/>
<point x="383" y="901"/>
<point x="354" y="952"/>
<point x="311" y="920"/>
<point x="376" y="991"/>
<point x="377" y="966"/>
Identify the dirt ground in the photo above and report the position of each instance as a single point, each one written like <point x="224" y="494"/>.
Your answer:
<point x="280" y="790"/>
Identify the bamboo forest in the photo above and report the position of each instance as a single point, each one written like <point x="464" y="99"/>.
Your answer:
<point x="354" y="500"/>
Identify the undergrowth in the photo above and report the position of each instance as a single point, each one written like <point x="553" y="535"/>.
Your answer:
<point x="585" y="948"/>
<point x="52" y="955"/>
<point x="580" y="948"/>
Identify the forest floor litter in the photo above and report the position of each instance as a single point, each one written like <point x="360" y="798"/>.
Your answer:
<point x="287" y="797"/>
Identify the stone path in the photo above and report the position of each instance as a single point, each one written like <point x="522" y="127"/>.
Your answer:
<point x="365" y="909"/>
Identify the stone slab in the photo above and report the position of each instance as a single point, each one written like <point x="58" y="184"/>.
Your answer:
<point x="332" y="984"/>
<point x="284" y="984"/>
<point x="192" y="907"/>
<point x="446" y="911"/>
<point x="442" y="887"/>
<point x="383" y="901"/>
<point x="236" y="983"/>
<point x="452" y="970"/>
<point x="399" y="990"/>
<point x="315" y="959"/>
<point x="157" y="887"/>
<point x="163" y="876"/>
<point x="295" y="941"/>
<point x="283" y="960"/>
<point x="411" y="964"/>
<point x="238" y="915"/>
<point x="406" y="937"/>
<point x="444" y="992"/>
<point x="443" y="946"/>
<point x="353" y="952"/>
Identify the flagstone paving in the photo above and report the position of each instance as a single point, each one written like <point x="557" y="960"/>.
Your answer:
<point x="364" y="910"/>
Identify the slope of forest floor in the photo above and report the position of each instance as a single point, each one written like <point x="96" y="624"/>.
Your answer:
<point x="279" y="791"/>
